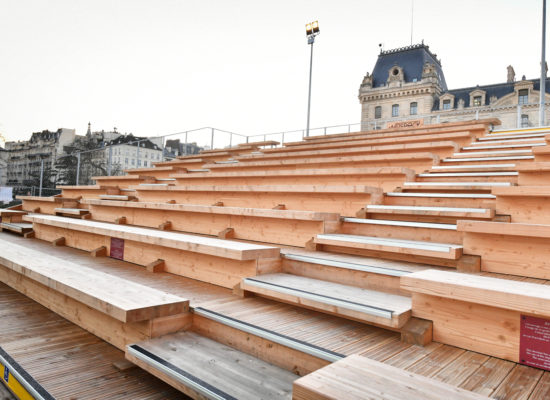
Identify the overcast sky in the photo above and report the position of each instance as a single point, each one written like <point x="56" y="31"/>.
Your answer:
<point x="154" y="67"/>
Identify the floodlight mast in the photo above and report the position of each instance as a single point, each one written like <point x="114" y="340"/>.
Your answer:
<point x="312" y="30"/>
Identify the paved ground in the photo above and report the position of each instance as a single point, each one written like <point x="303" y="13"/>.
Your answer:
<point x="5" y="393"/>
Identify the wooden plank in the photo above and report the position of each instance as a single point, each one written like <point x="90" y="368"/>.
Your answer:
<point x="220" y="248"/>
<point x="524" y="297"/>
<point x="486" y="378"/>
<point x="519" y="384"/>
<point x="359" y="377"/>
<point x="123" y="300"/>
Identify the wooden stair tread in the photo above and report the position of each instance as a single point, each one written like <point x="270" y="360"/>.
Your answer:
<point x="269" y="188"/>
<point x="499" y="158"/>
<point x="347" y="301"/>
<point x="412" y="247"/>
<point x="358" y="377"/>
<point x="537" y="191"/>
<point x="72" y="211"/>
<point x="19" y="227"/>
<point x="199" y="244"/>
<point x="119" y="197"/>
<point x="459" y="174"/>
<point x="391" y="222"/>
<point x="504" y="146"/>
<point x="531" y="298"/>
<point x="432" y="211"/>
<point x="505" y="228"/>
<point x="122" y="299"/>
<point x="443" y="195"/>
<point x="211" y="369"/>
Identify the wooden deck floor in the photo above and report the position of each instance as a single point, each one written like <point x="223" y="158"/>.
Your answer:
<point x="66" y="360"/>
<point x="473" y="371"/>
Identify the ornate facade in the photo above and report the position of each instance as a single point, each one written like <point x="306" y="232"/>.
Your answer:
<point x="408" y="83"/>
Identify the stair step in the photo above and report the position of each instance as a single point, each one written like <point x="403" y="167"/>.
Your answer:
<point x="365" y="305"/>
<point x="270" y="335"/>
<point x="446" y="167"/>
<point x="473" y="168"/>
<point x="457" y="174"/>
<point x="204" y="368"/>
<point x="443" y="195"/>
<point x="464" y="212"/>
<point x="504" y="146"/>
<point x="490" y="153"/>
<point x="501" y="136"/>
<point x="405" y="184"/>
<point x="506" y="141"/>
<point x="71" y="211"/>
<point x="470" y="159"/>
<point x="391" y="222"/>
<point x="18" y="227"/>
<point x="198" y="170"/>
<point x="412" y="247"/>
<point x="116" y="197"/>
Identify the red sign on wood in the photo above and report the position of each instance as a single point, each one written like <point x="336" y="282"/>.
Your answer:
<point x="117" y="248"/>
<point x="534" y="342"/>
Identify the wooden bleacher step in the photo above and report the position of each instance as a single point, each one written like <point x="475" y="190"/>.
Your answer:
<point x="358" y="377"/>
<point x="17" y="227"/>
<point x="499" y="158"/>
<point x="464" y="174"/>
<point x="442" y="195"/>
<point x="507" y="141"/>
<point x="504" y="146"/>
<point x="454" y="186"/>
<point x="455" y="212"/>
<point x="272" y="336"/>
<point x="370" y="306"/>
<point x="116" y="197"/>
<point x="473" y="168"/>
<point x="205" y="369"/>
<point x="409" y="247"/>
<point x="397" y="223"/>
<point x="493" y="137"/>
<point x="79" y="212"/>
<point x="496" y="153"/>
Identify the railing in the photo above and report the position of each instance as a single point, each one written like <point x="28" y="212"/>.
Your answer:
<point x="77" y="168"/>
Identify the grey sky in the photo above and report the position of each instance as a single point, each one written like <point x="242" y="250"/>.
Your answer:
<point x="154" y="67"/>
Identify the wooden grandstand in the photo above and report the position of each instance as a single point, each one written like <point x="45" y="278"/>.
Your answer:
<point x="402" y="263"/>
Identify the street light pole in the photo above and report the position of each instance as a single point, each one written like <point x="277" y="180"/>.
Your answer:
<point x="543" y="67"/>
<point x="312" y="30"/>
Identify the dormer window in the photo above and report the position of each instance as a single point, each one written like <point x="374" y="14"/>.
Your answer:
<point x="477" y="101"/>
<point x="523" y="96"/>
<point x="446" y="104"/>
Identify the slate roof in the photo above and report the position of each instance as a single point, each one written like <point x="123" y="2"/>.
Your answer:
<point x="499" y="90"/>
<point x="133" y="141"/>
<point x="411" y="59"/>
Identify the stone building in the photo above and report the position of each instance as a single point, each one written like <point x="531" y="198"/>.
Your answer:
<point x="24" y="158"/>
<point x="3" y="167"/>
<point x="408" y="84"/>
<point x="129" y="151"/>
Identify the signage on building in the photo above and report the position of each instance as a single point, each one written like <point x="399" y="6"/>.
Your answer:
<point x="413" y="123"/>
<point x="534" y="342"/>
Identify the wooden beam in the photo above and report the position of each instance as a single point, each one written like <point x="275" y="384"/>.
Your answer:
<point x="36" y="210"/>
<point x="120" y="221"/>
<point x="417" y="331"/>
<point x="227" y="233"/>
<point x="165" y="226"/>
<point x="86" y="216"/>
<point x="123" y="365"/>
<point x="279" y="207"/>
<point x="99" y="252"/>
<point x="60" y="241"/>
<point x="218" y="204"/>
<point x="28" y="235"/>
<point x="469" y="263"/>
<point x="156" y="266"/>
<point x="171" y="202"/>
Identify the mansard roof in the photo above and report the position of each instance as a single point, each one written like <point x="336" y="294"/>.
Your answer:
<point x="411" y="59"/>
<point x="498" y="90"/>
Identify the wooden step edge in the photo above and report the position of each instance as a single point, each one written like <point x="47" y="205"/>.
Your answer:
<point x="270" y="335"/>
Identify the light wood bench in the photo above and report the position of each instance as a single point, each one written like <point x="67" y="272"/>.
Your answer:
<point x="509" y="248"/>
<point x="289" y="227"/>
<point x="346" y="200"/>
<point x="157" y="172"/>
<point x="192" y="163"/>
<point x="524" y="203"/>
<point x="222" y="262"/>
<point x="260" y="143"/>
<point x="486" y="311"/>
<point x="117" y="310"/>
<point x="416" y="161"/>
<point x="386" y="178"/>
<point x="87" y="191"/>
<point x="542" y="154"/>
<point x="442" y="149"/>
<point x="358" y="377"/>
<point x="123" y="181"/>
<point x="47" y="205"/>
<point x="462" y="138"/>
<point x="534" y="174"/>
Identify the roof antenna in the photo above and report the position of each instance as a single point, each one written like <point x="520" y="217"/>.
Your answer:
<point x="412" y="20"/>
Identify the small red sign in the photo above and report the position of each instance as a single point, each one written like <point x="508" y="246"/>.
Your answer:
<point x="117" y="248"/>
<point x="534" y="342"/>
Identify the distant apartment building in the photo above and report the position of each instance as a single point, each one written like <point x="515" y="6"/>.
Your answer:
<point x="174" y="148"/>
<point x="3" y="167"/>
<point x="25" y="158"/>
<point x="129" y="152"/>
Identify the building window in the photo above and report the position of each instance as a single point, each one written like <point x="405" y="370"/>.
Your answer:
<point x="378" y="112"/>
<point x="414" y="108"/>
<point x="446" y="104"/>
<point x="126" y="161"/>
<point x="133" y="161"/>
<point x="524" y="120"/>
<point x="523" y="97"/>
<point x="139" y="163"/>
<point x="144" y="163"/>
<point x="395" y="110"/>
<point x="477" y="101"/>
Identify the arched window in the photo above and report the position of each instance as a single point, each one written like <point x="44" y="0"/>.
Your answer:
<point x="395" y="110"/>
<point x="414" y="108"/>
